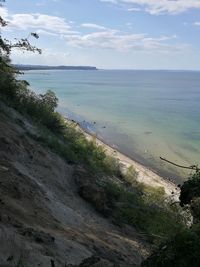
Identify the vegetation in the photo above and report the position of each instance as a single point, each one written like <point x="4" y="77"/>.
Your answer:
<point x="20" y="263"/>
<point x="124" y="200"/>
<point x="146" y="209"/>
<point x="54" y="131"/>
<point x="182" y="249"/>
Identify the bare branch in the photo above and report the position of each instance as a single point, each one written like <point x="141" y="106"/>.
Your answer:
<point x="193" y="167"/>
<point x="3" y="23"/>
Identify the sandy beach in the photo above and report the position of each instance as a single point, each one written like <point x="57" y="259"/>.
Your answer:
<point x="145" y="175"/>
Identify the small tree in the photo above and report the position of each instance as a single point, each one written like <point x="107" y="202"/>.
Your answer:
<point x="8" y="82"/>
<point x="190" y="195"/>
<point x="49" y="100"/>
<point x="6" y="46"/>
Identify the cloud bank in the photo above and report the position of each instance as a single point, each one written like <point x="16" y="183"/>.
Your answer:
<point x="100" y="37"/>
<point x="157" y="7"/>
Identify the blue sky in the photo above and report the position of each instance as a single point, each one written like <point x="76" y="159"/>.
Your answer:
<point x="113" y="34"/>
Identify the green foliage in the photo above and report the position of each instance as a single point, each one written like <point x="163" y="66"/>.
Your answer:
<point x="5" y="48"/>
<point x="20" y="263"/>
<point x="190" y="195"/>
<point x="155" y="195"/>
<point x="112" y="165"/>
<point x="190" y="189"/>
<point x="131" y="175"/>
<point x="49" y="100"/>
<point x="49" y="139"/>
<point x="72" y="145"/>
<point x="145" y="209"/>
<point x="195" y="209"/>
<point x="23" y="44"/>
<point x="39" y="107"/>
<point x="182" y="250"/>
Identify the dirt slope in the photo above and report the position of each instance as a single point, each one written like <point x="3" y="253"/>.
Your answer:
<point x="43" y="220"/>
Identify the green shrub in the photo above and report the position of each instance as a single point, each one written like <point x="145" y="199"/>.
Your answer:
<point x="146" y="209"/>
<point x="190" y="189"/>
<point x="181" y="250"/>
<point x="131" y="175"/>
<point x="20" y="263"/>
<point x="41" y="109"/>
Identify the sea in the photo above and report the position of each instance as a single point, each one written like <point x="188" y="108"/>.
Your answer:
<point x="145" y="114"/>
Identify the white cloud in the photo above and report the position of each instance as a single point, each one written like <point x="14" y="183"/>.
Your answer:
<point x="101" y="37"/>
<point x="43" y="32"/>
<point x="93" y="26"/>
<point x="39" y="21"/>
<point x="197" y="23"/>
<point x="110" y="1"/>
<point x="36" y="21"/>
<point x="134" y="9"/>
<point x="3" y="12"/>
<point x="112" y="39"/>
<point x="159" y="6"/>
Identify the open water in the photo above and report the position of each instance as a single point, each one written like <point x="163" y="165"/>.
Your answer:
<point x="144" y="114"/>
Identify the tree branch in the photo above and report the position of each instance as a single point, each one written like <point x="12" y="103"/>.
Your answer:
<point x="193" y="167"/>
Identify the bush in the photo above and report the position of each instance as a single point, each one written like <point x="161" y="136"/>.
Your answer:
<point x="195" y="209"/>
<point x="39" y="107"/>
<point x="190" y="195"/>
<point x="182" y="250"/>
<point x="190" y="189"/>
<point x="131" y="175"/>
<point x="146" y="209"/>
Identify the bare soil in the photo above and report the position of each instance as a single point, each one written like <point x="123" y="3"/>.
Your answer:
<point x="43" y="220"/>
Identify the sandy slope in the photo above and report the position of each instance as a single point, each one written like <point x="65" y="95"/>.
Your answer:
<point x="42" y="218"/>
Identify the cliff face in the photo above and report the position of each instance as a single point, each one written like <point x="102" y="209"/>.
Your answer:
<point x="43" y="220"/>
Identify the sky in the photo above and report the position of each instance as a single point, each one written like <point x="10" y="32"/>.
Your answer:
<point x="108" y="34"/>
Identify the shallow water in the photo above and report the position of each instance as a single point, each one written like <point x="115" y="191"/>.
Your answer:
<point x="145" y="114"/>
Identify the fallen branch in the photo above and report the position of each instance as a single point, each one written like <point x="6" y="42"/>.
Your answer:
<point x="193" y="167"/>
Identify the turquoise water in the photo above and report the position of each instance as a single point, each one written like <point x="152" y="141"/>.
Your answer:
<point x="145" y="114"/>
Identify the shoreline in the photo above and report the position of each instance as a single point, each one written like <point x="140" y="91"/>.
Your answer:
<point x="145" y="175"/>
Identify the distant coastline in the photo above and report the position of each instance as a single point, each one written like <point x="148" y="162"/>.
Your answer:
<point x="45" y="67"/>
